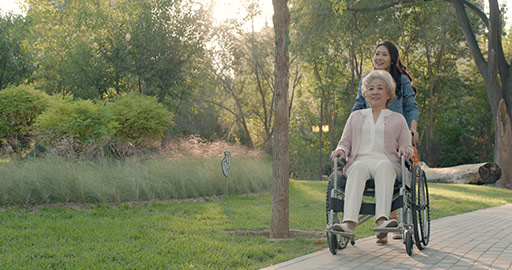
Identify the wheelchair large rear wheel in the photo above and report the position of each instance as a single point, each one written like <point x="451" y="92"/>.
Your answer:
<point x="330" y="186"/>
<point x="420" y="208"/>
<point x="423" y="205"/>
<point x="332" y="239"/>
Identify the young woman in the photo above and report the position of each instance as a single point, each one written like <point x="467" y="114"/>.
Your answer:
<point x="386" y="58"/>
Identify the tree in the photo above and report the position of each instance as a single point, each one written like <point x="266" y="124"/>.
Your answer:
<point x="244" y="68"/>
<point x="497" y="75"/>
<point x="335" y="49"/>
<point x="435" y="59"/>
<point x="15" y="59"/>
<point x="279" y="221"/>
<point x="492" y="66"/>
<point x="99" y="49"/>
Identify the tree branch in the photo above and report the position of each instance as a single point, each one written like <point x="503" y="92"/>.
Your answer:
<point x="462" y="18"/>
<point x="383" y="7"/>
<point x="478" y="12"/>
<point x="495" y="31"/>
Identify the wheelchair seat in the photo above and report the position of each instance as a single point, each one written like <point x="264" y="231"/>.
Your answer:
<point x="369" y="189"/>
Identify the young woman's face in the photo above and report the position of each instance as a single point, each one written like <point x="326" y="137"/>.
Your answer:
<point x="382" y="59"/>
<point x="377" y="93"/>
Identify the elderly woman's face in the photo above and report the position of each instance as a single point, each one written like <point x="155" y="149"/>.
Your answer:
<point x="382" y="59"/>
<point x="377" y="93"/>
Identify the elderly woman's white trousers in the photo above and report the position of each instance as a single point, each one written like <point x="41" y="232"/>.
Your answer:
<point x="383" y="171"/>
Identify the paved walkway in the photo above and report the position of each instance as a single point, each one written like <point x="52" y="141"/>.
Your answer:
<point x="477" y="240"/>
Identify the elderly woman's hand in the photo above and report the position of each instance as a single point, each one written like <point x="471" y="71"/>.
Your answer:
<point x="337" y="152"/>
<point x="407" y="154"/>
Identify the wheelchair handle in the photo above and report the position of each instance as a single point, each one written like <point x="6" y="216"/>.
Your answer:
<point x="407" y="162"/>
<point x="339" y="163"/>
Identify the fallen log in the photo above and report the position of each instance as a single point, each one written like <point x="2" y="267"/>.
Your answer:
<point x="476" y="174"/>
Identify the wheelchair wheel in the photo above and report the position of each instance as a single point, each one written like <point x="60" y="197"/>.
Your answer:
<point x="420" y="208"/>
<point x="423" y="205"/>
<point x="332" y="241"/>
<point x="330" y="186"/>
<point x="336" y="242"/>
<point x="408" y="243"/>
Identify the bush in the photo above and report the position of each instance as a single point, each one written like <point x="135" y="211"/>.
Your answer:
<point x="82" y="120"/>
<point x="142" y="120"/>
<point x="19" y="108"/>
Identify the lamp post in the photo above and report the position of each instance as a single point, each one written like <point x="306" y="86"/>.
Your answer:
<point x="319" y="129"/>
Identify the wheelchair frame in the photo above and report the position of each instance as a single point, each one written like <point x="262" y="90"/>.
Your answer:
<point x="412" y="200"/>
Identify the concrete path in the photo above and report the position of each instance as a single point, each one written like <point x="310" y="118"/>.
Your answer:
<point x="477" y="240"/>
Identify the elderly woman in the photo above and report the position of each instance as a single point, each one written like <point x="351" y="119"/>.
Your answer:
<point x="372" y="142"/>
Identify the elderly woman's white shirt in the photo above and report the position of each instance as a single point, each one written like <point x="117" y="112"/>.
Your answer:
<point x="372" y="140"/>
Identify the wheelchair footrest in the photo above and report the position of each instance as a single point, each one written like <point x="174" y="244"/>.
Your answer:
<point x="343" y="234"/>
<point x="388" y="230"/>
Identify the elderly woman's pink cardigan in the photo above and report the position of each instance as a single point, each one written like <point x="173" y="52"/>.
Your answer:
<point x="396" y="136"/>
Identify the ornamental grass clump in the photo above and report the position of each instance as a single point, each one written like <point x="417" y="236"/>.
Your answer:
<point x="53" y="180"/>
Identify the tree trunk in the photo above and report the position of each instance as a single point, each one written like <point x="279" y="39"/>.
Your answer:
<point x="505" y="146"/>
<point x="320" y="154"/>
<point x="279" y="220"/>
<point x="476" y="174"/>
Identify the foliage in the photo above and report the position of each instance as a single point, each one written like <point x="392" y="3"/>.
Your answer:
<point x="19" y="108"/>
<point x="81" y="119"/>
<point x="189" y="234"/>
<point x="465" y="129"/>
<point x="218" y="81"/>
<point x="99" y="49"/>
<point x="16" y="63"/>
<point x="243" y="73"/>
<point x="336" y="46"/>
<point x="140" y="119"/>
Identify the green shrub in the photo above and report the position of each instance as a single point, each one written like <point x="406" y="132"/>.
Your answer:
<point x="19" y="107"/>
<point x="142" y="120"/>
<point x="81" y="119"/>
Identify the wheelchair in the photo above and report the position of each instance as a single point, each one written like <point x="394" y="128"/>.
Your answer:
<point x="410" y="197"/>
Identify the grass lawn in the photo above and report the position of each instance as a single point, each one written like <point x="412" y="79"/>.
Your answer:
<point x="189" y="234"/>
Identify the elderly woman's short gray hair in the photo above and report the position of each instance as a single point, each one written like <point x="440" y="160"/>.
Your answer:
<point x="388" y="80"/>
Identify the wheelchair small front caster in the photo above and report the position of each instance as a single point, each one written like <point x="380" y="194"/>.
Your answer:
<point x="408" y="243"/>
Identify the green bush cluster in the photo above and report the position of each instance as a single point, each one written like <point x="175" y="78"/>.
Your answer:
<point x="19" y="108"/>
<point x="141" y="119"/>
<point x="80" y="119"/>
<point x="26" y="113"/>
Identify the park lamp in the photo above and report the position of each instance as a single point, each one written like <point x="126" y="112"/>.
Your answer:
<point x="316" y="128"/>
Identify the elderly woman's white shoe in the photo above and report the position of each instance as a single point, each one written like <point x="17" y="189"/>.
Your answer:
<point x="388" y="224"/>
<point x="342" y="227"/>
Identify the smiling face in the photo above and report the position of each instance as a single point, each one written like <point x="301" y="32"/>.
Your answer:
<point x="377" y="94"/>
<point x="382" y="59"/>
